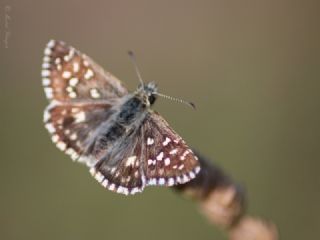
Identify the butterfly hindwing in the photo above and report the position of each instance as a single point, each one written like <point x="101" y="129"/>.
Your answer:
<point x="73" y="127"/>
<point x="121" y="169"/>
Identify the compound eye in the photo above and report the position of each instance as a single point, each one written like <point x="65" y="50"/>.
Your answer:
<point x="151" y="99"/>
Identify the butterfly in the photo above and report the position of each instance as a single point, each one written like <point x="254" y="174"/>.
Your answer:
<point x="95" y="120"/>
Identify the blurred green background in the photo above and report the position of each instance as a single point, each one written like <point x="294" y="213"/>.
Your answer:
<point x="253" y="69"/>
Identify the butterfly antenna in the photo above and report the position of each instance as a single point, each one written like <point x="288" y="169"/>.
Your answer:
<point x="134" y="61"/>
<point x="190" y="104"/>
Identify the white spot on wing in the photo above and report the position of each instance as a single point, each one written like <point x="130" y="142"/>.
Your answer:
<point x="68" y="57"/>
<point x="135" y="190"/>
<point x="167" y="161"/>
<point x="61" y="146"/>
<point x="51" y="43"/>
<point x="46" y="59"/>
<point x="173" y="152"/>
<point x="130" y="161"/>
<point x="73" y="81"/>
<point x="45" y="65"/>
<point x="80" y="117"/>
<point x="70" y="151"/>
<point x="125" y="191"/>
<point x="105" y="183"/>
<point x="50" y="128"/>
<point x="186" y="152"/>
<point x="69" y="89"/>
<point x="46" y="81"/>
<point x="74" y="156"/>
<point x="66" y="74"/>
<point x="74" y="110"/>
<point x="55" y="138"/>
<point x="170" y="182"/>
<point x="76" y="67"/>
<point x="85" y="63"/>
<point x="166" y="141"/>
<point x="46" y="115"/>
<point x="72" y="94"/>
<point x="161" y="181"/>
<point x="57" y="61"/>
<point x="45" y="73"/>
<point x="192" y="175"/>
<point x="88" y="74"/>
<point x="160" y="156"/>
<point x="179" y="179"/>
<point x="73" y="136"/>
<point x="120" y="189"/>
<point x="94" y="93"/>
<point x="112" y="187"/>
<point x="152" y="181"/>
<point x="47" y="51"/>
<point x="92" y="170"/>
<point x="150" y="141"/>
<point x="185" y="178"/>
<point x="181" y="167"/>
<point x="49" y="92"/>
<point x="99" y="177"/>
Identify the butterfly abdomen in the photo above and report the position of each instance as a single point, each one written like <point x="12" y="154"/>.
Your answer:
<point x="114" y="132"/>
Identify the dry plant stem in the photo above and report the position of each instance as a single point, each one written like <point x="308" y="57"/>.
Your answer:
<point x="222" y="201"/>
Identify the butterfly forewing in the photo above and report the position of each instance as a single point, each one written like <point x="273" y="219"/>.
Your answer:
<point x="168" y="160"/>
<point x="68" y="74"/>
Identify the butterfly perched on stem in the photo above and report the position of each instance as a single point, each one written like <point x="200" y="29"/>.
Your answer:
<point x="93" y="118"/>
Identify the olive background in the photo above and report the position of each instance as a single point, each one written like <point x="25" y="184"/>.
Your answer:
<point x="253" y="69"/>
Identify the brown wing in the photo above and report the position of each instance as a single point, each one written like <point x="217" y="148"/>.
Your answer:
<point x="82" y="95"/>
<point x="73" y="127"/>
<point x="121" y="170"/>
<point x="168" y="159"/>
<point x="68" y="74"/>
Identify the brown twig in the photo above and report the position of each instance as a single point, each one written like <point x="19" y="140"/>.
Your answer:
<point x="223" y="202"/>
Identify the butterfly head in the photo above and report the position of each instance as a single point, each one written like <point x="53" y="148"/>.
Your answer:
<point x="148" y="92"/>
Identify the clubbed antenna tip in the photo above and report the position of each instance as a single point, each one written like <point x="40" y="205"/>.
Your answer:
<point x="192" y="105"/>
<point x="130" y="53"/>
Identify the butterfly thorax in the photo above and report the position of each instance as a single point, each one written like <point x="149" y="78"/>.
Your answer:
<point x="136" y="104"/>
<point x="131" y="112"/>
